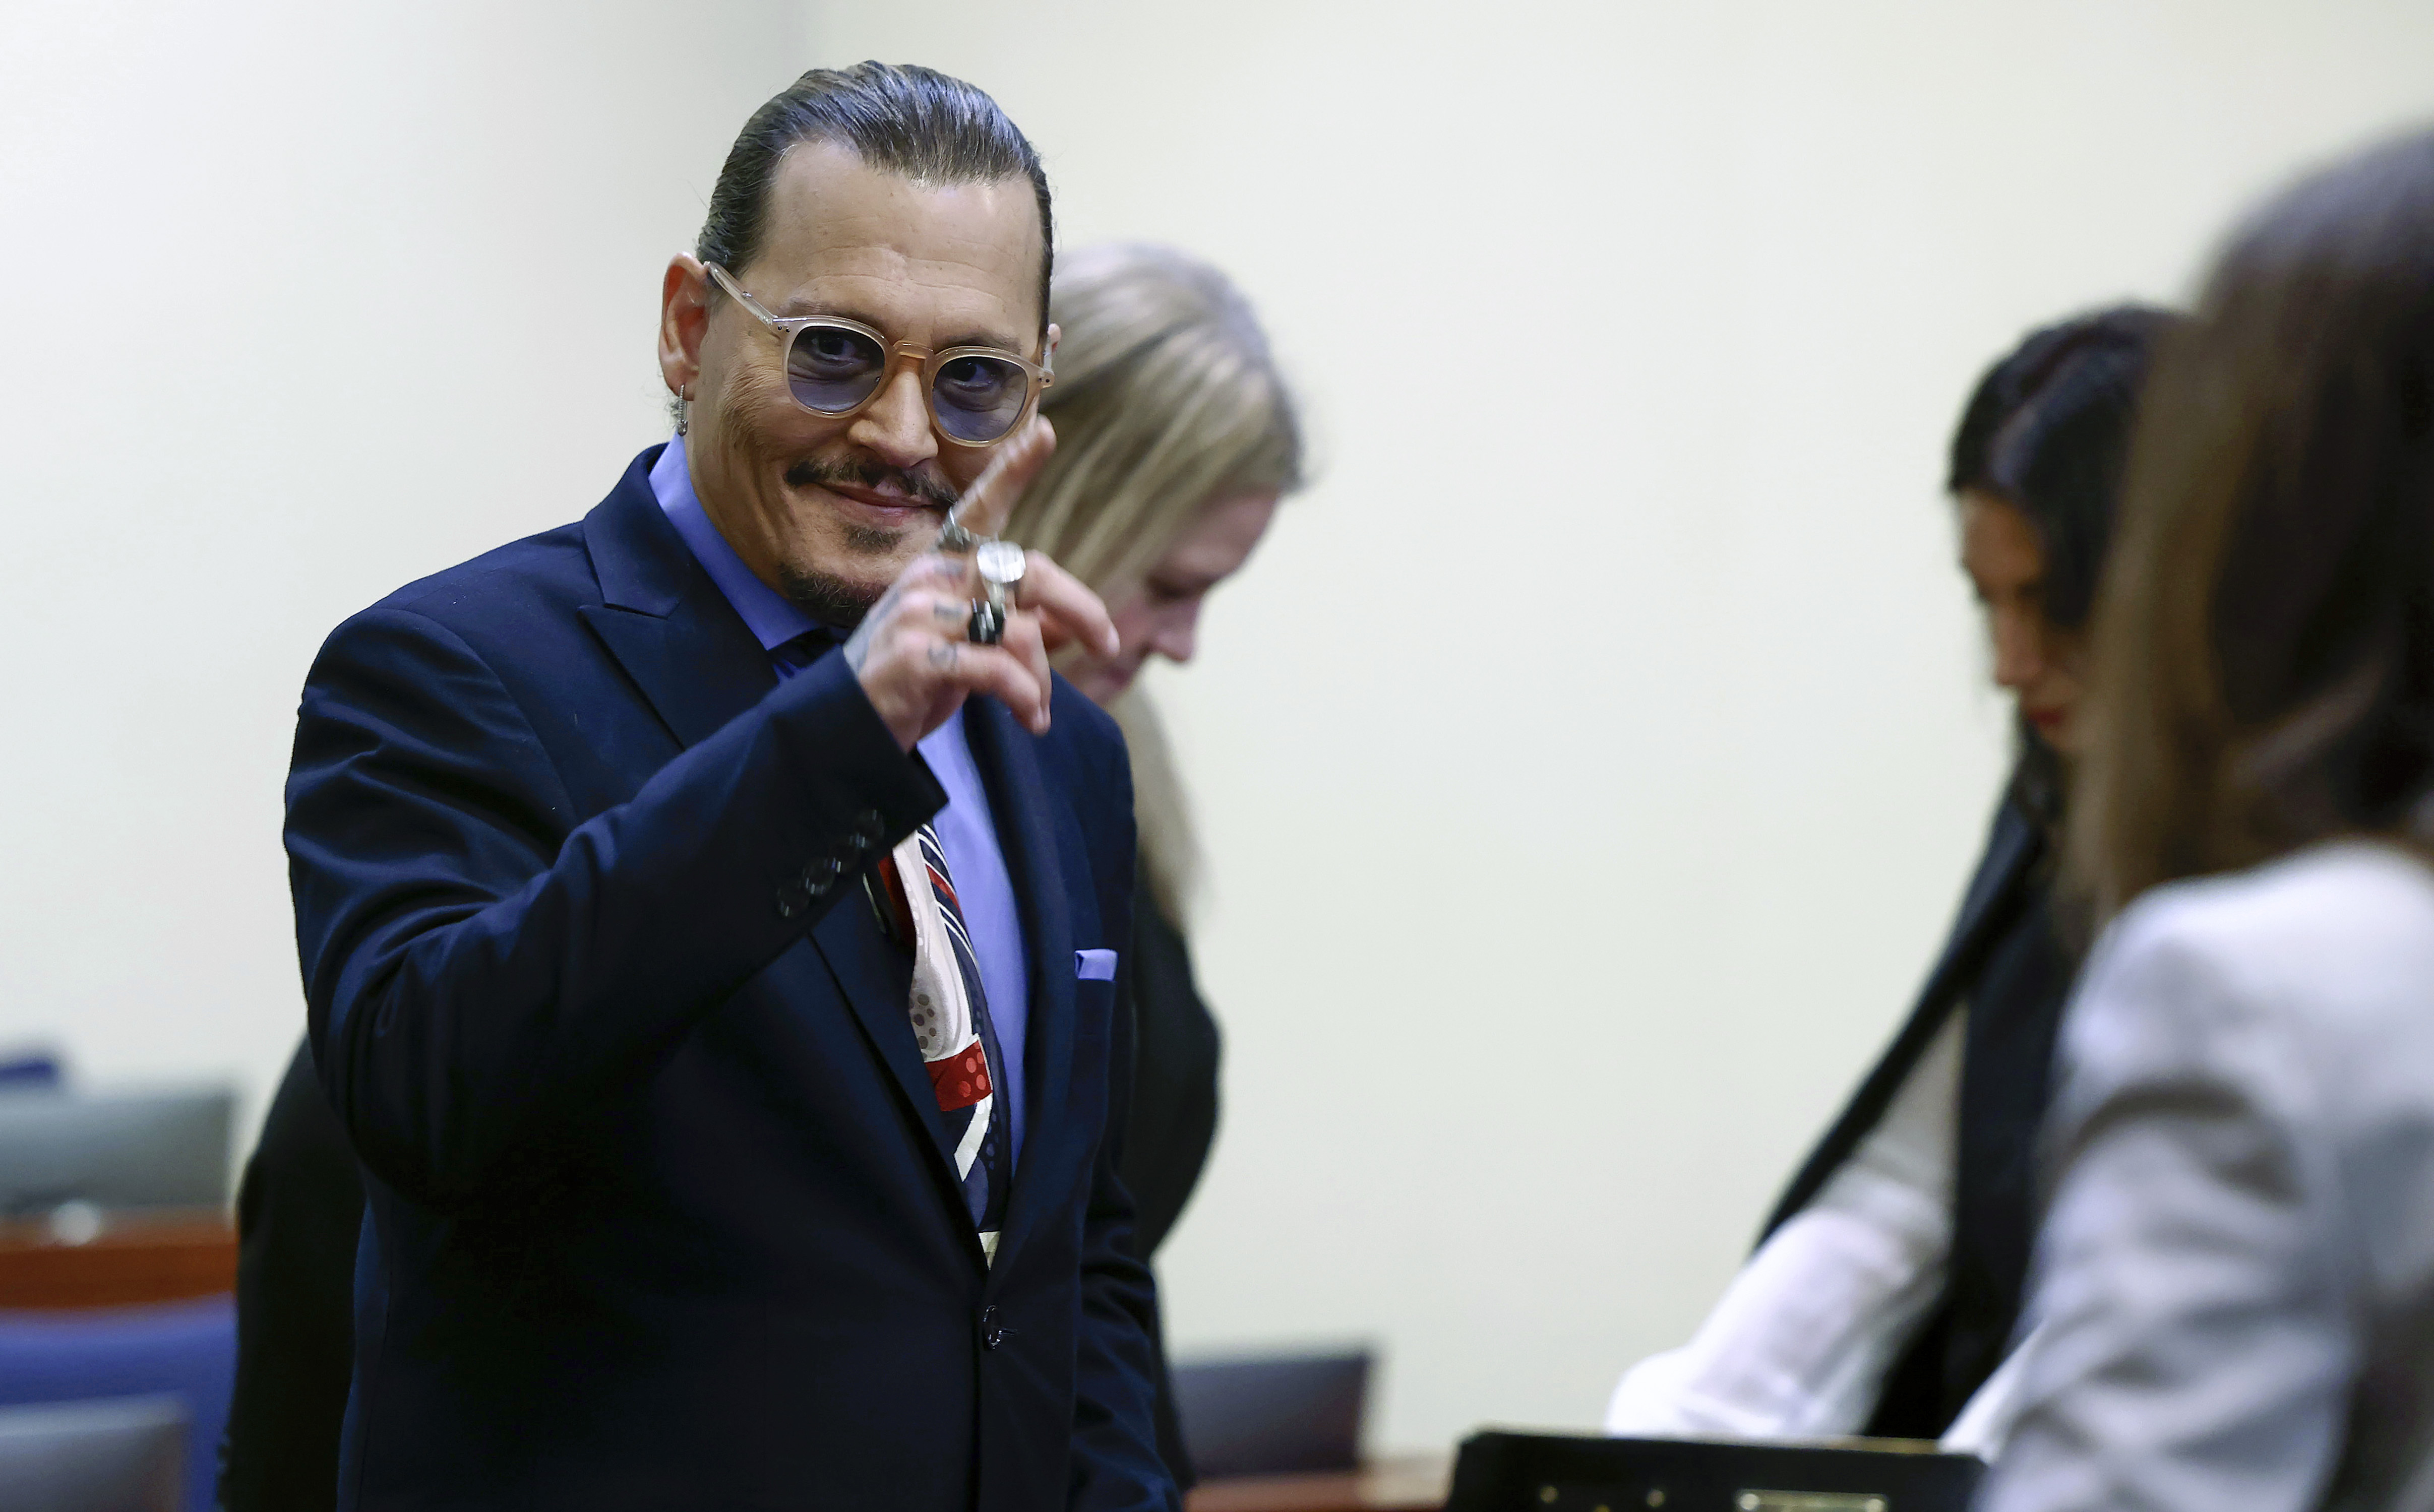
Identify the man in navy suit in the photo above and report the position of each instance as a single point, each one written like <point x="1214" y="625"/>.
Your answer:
<point x="669" y="1204"/>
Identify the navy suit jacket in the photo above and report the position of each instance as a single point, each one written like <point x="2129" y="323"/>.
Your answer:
<point x="661" y="1211"/>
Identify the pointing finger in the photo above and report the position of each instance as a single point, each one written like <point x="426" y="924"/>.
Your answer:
<point x="983" y="507"/>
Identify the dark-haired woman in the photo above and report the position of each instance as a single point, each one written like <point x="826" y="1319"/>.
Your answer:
<point x="1884" y="1290"/>
<point x="2237" y="1272"/>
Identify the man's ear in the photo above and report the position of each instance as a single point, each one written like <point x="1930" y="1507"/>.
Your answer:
<point x="684" y="315"/>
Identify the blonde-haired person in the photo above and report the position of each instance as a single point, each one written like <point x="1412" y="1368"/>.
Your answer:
<point x="1175" y="439"/>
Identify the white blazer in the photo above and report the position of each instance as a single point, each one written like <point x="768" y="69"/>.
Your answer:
<point x="2235" y="1281"/>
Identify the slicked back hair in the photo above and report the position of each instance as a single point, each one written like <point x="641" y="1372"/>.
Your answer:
<point x="899" y="118"/>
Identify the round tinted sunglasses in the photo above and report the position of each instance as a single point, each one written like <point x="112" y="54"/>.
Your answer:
<point x="977" y="395"/>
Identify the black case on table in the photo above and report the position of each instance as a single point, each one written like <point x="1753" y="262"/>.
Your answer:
<point x="1534" y="1472"/>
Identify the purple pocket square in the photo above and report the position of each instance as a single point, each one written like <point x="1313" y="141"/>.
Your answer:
<point x="1094" y="965"/>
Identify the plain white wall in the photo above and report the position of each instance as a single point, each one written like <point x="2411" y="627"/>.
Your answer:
<point x="305" y="300"/>
<point x="1590" y="762"/>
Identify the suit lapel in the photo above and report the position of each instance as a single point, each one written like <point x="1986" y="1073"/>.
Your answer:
<point x="664" y="618"/>
<point x="693" y="693"/>
<point x="876" y="981"/>
<point x="700" y="666"/>
<point x="1018" y="800"/>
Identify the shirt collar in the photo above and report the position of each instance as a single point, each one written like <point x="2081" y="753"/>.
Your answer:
<point x="768" y="614"/>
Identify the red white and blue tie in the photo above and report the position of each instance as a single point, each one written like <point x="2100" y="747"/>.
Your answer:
<point x="951" y="1022"/>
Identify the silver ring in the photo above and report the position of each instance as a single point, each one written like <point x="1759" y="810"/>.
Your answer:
<point x="986" y="626"/>
<point x="1000" y="565"/>
<point x="953" y="539"/>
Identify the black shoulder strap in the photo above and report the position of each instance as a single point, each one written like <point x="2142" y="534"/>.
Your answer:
<point x="1995" y="894"/>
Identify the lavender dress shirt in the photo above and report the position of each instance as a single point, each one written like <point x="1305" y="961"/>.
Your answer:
<point x="966" y="830"/>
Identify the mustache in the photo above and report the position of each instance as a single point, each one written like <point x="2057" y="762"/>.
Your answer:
<point x="863" y="473"/>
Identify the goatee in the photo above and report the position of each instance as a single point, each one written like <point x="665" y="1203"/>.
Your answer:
<point x="830" y="599"/>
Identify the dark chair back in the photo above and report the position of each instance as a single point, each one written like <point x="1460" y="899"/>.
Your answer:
<point x="159" y="1149"/>
<point x="28" y="1070"/>
<point x="1277" y="1415"/>
<point x="1534" y="1472"/>
<point x="184" y="1350"/>
<point x="117" y="1455"/>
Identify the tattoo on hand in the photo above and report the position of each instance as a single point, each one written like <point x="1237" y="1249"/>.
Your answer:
<point x="857" y="646"/>
<point x="942" y="655"/>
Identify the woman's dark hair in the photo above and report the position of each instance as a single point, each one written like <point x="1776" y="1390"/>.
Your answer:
<point x="2264" y="663"/>
<point x="897" y="117"/>
<point x="2046" y="432"/>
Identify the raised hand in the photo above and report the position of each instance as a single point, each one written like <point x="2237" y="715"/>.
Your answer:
<point x="911" y="650"/>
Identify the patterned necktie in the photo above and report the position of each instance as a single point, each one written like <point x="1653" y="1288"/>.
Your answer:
<point x="951" y="1022"/>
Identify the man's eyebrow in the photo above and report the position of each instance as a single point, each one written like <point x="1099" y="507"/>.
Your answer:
<point x="996" y="341"/>
<point x="802" y="309"/>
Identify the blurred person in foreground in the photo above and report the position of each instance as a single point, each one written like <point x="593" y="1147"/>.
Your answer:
<point x="1883" y="1293"/>
<point x="1175" y="439"/>
<point x="2234" y="1279"/>
<point x="710" y="911"/>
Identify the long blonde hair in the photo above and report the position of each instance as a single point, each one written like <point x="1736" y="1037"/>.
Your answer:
<point x="1166" y="399"/>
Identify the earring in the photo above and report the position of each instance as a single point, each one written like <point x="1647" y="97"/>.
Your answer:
<point x="684" y="408"/>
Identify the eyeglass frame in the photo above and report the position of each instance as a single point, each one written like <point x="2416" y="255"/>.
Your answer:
<point x="789" y="327"/>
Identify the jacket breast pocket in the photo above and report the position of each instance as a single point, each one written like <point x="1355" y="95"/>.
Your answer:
<point x="1094" y="1007"/>
<point x="1095" y="1011"/>
<point x="1094" y="992"/>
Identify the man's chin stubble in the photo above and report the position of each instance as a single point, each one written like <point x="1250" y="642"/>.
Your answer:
<point x="833" y="599"/>
<point x="830" y="599"/>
